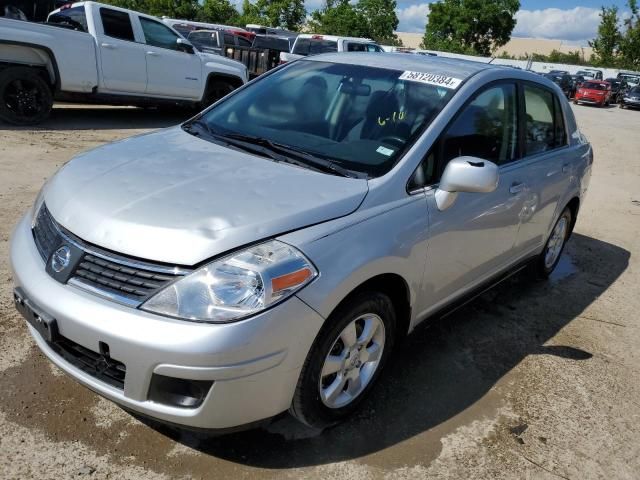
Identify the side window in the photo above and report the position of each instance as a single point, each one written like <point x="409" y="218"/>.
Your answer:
<point x="544" y="125"/>
<point x="560" y="130"/>
<point x="374" y="48"/>
<point x="356" y="47"/>
<point x="243" y="42"/>
<point x="486" y="128"/>
<point x="228" y="39"/>
<point x="116" y="24"/>
<point x="158" y="34"/>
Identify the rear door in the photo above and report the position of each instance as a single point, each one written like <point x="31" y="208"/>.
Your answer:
<point x="548" y="160"/>
<point x="170" y="71"/>
<point x="122" y="60"/>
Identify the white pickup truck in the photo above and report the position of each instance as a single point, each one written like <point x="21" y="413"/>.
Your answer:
<point x="312" y="44"/>
<point x="94" y="53"/>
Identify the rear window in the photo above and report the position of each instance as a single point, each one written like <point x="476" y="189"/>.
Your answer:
<point x="594" y="86"/>
<point x="314" y="46"/>
<point x="202" y="40"/>
<point x="116" y="24"/>
<point x="274" y="43"/>
<point x="70" y="17"/>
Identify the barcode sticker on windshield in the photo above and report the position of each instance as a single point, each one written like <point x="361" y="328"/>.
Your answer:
<point x="384" y="151"/>
<point x="431" y="79"/>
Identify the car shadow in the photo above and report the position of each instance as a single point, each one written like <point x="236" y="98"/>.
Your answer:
<point x="94" y="117"/>
<point x="439" y="371"/>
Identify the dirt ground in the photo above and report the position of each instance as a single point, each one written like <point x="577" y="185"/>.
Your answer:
<point x="533" y="380"/>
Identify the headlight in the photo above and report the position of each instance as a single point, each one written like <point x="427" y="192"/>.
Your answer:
<point x="236" y="286"/>
<point x="36" y="206"/>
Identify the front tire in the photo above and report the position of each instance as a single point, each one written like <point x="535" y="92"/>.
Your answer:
<point x="345" y="360"/>
<point x="550" y="256"/>
<point x="215" y="91"/>
<point x="25" y="98"/>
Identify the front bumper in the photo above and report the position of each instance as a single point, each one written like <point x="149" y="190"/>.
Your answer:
<point x="628" y="102"/>
<point x="590" y="100"/>
<point x="254" y="363"/>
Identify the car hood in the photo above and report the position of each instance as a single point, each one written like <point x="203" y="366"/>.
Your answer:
<point x="171" y="197"/>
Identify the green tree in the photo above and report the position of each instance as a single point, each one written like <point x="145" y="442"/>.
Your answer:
<point x="607" y="43"/>
<point x="288" y="14"/>
<point x="337" y="17"/>
<point x="470" y="26"/>
<point x="630" y="42"/>
<point x="218" y="11"/>
<point x="250" y="14"/>
<point x="379" y="20"/>
<point x="182" y="9"/>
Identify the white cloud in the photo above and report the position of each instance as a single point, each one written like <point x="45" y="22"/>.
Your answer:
<point x="578" y="24"/>
<point x="413" y="18"/>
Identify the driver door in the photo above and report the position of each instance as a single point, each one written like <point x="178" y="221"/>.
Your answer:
<point x="170" y="72"/>
<point x="474" y="238"/>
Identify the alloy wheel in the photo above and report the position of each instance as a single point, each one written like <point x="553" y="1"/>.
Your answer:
<point x="352" y="361"/>
<point x="554" y="247"/>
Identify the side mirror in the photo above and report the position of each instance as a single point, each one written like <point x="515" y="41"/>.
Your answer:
<point x="465" y="174"/>
<point x="184" y="45"/>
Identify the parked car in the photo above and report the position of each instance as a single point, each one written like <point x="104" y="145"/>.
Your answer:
<point x="270" y="253"/>
<point x="185" y="27"/>
<point x="618" y="87"/>
<point x="563" y="80"/>
<point x="112" y="56"/>
<point x="214" y="41"/>
<point x="312" y="44"/>
<point x="631" y="78"/>
<point x="273" y="42"/>
<point x="631" y="98"/>
<point x="576" y="82"/>
<point x="590" y="73"/>
<point x="594" y="93"/>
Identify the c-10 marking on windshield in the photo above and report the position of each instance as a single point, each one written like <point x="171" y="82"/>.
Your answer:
<point x="431" y="79"/>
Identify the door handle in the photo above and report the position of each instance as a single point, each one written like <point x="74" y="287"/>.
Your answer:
<point x="565" y="168"/>
<point x="153" y="54"/>
<point x="516" y="188"/>
<point x="108" y="45"/>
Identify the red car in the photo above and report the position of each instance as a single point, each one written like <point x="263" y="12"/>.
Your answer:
<point x="594" y="92"/>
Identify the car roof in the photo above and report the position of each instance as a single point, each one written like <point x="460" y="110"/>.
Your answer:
<point x="451" y="67"/>
<point x="334" y="38"/>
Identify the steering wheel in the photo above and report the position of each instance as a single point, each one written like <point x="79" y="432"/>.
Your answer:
<point x="395" y="140"/>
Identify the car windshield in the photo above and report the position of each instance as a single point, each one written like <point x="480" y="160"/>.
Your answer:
<point x="594" y="86"/>
<point x="635" y="90"/>
<point x="356" y="117"/>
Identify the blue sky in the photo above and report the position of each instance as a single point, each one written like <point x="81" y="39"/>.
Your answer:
<point x="573" y="21"/>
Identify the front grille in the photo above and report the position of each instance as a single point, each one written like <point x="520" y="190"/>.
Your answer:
<point x="45" y="233"/>
<point x="136" y="284"/>
<point x="120" y="278"/>
<point x="105" y="369"/>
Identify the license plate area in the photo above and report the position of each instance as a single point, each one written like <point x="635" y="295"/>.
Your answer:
<point x="44" y="323"/>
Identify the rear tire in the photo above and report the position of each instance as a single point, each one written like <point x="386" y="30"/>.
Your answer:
<point x="547" y="261"/>
<point x="341" y="368"/>
<point x="25" y="98"/>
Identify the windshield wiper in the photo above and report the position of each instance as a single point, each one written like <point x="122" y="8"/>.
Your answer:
<point x="200" y="128"/>
<point x="307" y="159"/>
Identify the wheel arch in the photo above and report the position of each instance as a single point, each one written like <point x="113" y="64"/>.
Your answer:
<point x="13" y="53"/>
<point x="574" y="207"/>
<point x="396" y="288"/>
<point x="233" y="80"/>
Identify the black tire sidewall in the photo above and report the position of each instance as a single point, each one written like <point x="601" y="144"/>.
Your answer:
<point x="13" y="73"/>
<point x="543" y="270"/>
<point x="307" y="405"/>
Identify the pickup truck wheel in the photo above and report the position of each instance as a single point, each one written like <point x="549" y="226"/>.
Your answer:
<point x="345" y="360"/>
<point x="216" y="90"/>
<point x="25" y="98"/>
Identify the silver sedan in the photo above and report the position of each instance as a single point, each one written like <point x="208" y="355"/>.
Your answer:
<point x="270" y="253"/>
